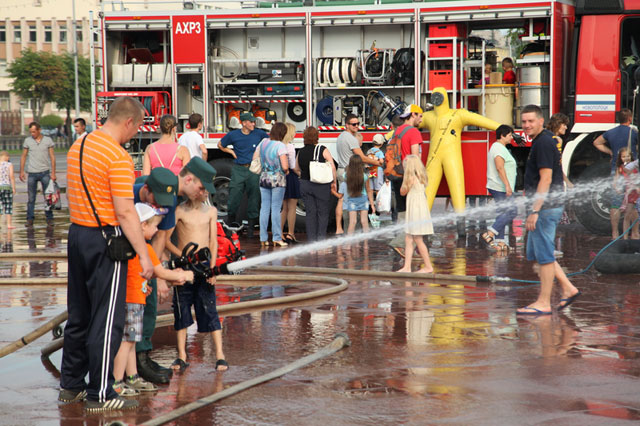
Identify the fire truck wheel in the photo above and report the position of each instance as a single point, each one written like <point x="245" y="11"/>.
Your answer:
<point x="221" y="183"/>
<point x="592" y="211"/>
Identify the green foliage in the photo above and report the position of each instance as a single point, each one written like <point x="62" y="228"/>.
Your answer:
<point x="51" y="121"/>
<point x="515" y="40"/>
<point x="38" y="75"/>
<point x="66" y="98"/>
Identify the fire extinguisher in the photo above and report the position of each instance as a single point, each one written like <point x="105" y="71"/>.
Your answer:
<point x="196" y="92"/>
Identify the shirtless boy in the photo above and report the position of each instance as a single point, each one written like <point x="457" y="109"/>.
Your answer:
<point x="196" y="223"/>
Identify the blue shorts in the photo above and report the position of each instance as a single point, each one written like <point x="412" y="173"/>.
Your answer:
<point x="355" y="204"/>
<point x="541" y="242"/>
<point x="616" y="200"/>
<point x="202" y="296"/>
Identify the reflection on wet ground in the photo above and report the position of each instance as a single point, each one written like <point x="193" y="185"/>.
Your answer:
<point x="422" y="352"/>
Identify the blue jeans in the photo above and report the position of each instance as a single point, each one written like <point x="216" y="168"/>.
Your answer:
<point x="541" y="242"/>
<point x="271" y="203"/>
<point x="506" y="216"/>
<point x="32" y="187"/>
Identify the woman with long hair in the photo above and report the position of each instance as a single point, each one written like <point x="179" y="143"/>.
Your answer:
<point x="273" y="181"/>
<point x="165" y="152"/>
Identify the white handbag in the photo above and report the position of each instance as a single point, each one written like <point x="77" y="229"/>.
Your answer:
<point x="320" y="172"/>
<point x="256" y="166"/>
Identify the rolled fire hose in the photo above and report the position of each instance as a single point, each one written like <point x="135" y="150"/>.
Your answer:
<point x="341" y="340"/>
<point x="338" y="285"/>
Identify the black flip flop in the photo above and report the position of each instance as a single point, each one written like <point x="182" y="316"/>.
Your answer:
<point x="180" y="363"/>
<point x="222" y="362"/>
<point x="568" y="300"/>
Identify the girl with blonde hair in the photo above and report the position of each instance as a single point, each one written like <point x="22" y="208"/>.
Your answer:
<point x="418" y="218"/>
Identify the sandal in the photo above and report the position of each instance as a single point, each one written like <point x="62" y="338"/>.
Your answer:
<point x="181" y="364"/>
<point x="488" y="237"/>
<point x="502" y="247"/>
<point x="222" y="362"/>
<point x="289" y="238"/>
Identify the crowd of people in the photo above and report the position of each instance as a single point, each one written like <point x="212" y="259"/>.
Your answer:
<point x="112" y="300"/>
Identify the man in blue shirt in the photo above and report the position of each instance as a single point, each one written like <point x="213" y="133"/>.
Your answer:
<point x="244" y="142"/>
<point x="610" y="143"/>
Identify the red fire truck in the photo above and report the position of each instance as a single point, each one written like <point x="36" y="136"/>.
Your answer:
<point x="310" y="63"/>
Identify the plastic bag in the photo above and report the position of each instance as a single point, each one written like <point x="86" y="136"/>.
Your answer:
<point x="383" y="199"/>
<point x="52" y="196"/>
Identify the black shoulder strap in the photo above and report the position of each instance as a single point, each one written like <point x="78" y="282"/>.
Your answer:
<point x="86" y="190"/>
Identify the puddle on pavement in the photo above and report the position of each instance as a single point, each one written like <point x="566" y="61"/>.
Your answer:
<point x="445" y="351"/>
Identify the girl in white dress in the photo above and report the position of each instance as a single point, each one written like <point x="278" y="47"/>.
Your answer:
<point x="418" y="219"/>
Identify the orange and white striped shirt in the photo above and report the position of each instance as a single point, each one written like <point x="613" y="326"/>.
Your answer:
<point x="108" y="172"/>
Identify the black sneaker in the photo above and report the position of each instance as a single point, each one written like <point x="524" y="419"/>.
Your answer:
<point x="68" y="395"/>
<point x="115" y="404"/>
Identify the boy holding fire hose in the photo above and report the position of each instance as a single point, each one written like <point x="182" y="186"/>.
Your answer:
<point x="196" y="222"/>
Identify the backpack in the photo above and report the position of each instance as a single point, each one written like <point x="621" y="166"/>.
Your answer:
<point x="393" y="155"/>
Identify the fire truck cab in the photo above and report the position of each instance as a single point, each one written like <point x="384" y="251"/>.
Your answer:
<point x="311" y="64"/>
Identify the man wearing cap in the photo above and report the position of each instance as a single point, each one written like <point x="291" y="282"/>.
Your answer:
<point x="244" y="142"/>
<point x="409" y="145"/>
<point x="347" y="145"/>
<point x="160" y="189"/>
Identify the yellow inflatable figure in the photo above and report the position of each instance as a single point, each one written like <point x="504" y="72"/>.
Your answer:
<point x="445" y="148"/>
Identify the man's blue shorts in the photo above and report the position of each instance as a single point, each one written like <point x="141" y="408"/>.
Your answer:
<point x="202" y="296"/>
<point x="541" y="242"/>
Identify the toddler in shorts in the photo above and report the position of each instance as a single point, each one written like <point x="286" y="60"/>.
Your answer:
<point x="357" y="193"/>
<point x="7" y="187"/>
<point x="137" y="291"/>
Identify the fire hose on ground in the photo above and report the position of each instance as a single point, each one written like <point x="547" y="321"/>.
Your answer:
<point x="338" y="285"/>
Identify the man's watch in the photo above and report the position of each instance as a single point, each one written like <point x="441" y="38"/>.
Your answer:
<point x="535" y="211"/>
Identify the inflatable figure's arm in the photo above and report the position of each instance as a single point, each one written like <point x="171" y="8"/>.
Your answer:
<point x="473" y="119"/>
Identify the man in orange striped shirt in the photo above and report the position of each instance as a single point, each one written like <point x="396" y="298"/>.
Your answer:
<point x="96" y="288"/>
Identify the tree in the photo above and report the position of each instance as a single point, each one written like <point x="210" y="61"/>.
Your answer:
<point x="66" y="98"/>
<point x="37" y="75"/>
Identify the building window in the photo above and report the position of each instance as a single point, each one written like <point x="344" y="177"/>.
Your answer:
<point x="17" y="35"/>
<point x="3" y="70"/>
<point x="79" y="35"/>
<point x="32" y="104"/>
<point x="3" y="34"/>
<point x="96" y="38"/>
<point x="63" y="33"/>
<point x="33" y="34"/>
<point x="47" y="33"/>
<point x="5" y="102"/>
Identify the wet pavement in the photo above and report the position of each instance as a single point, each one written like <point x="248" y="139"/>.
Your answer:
<point x="423" y="352"/>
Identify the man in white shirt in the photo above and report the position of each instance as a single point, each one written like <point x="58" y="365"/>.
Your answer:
<point x="80" y="127"/>
<point x="192" y="139"/>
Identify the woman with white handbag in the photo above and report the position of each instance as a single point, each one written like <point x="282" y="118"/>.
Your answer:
<point x="317" y="178"/>
<point x="275" y="167"/>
